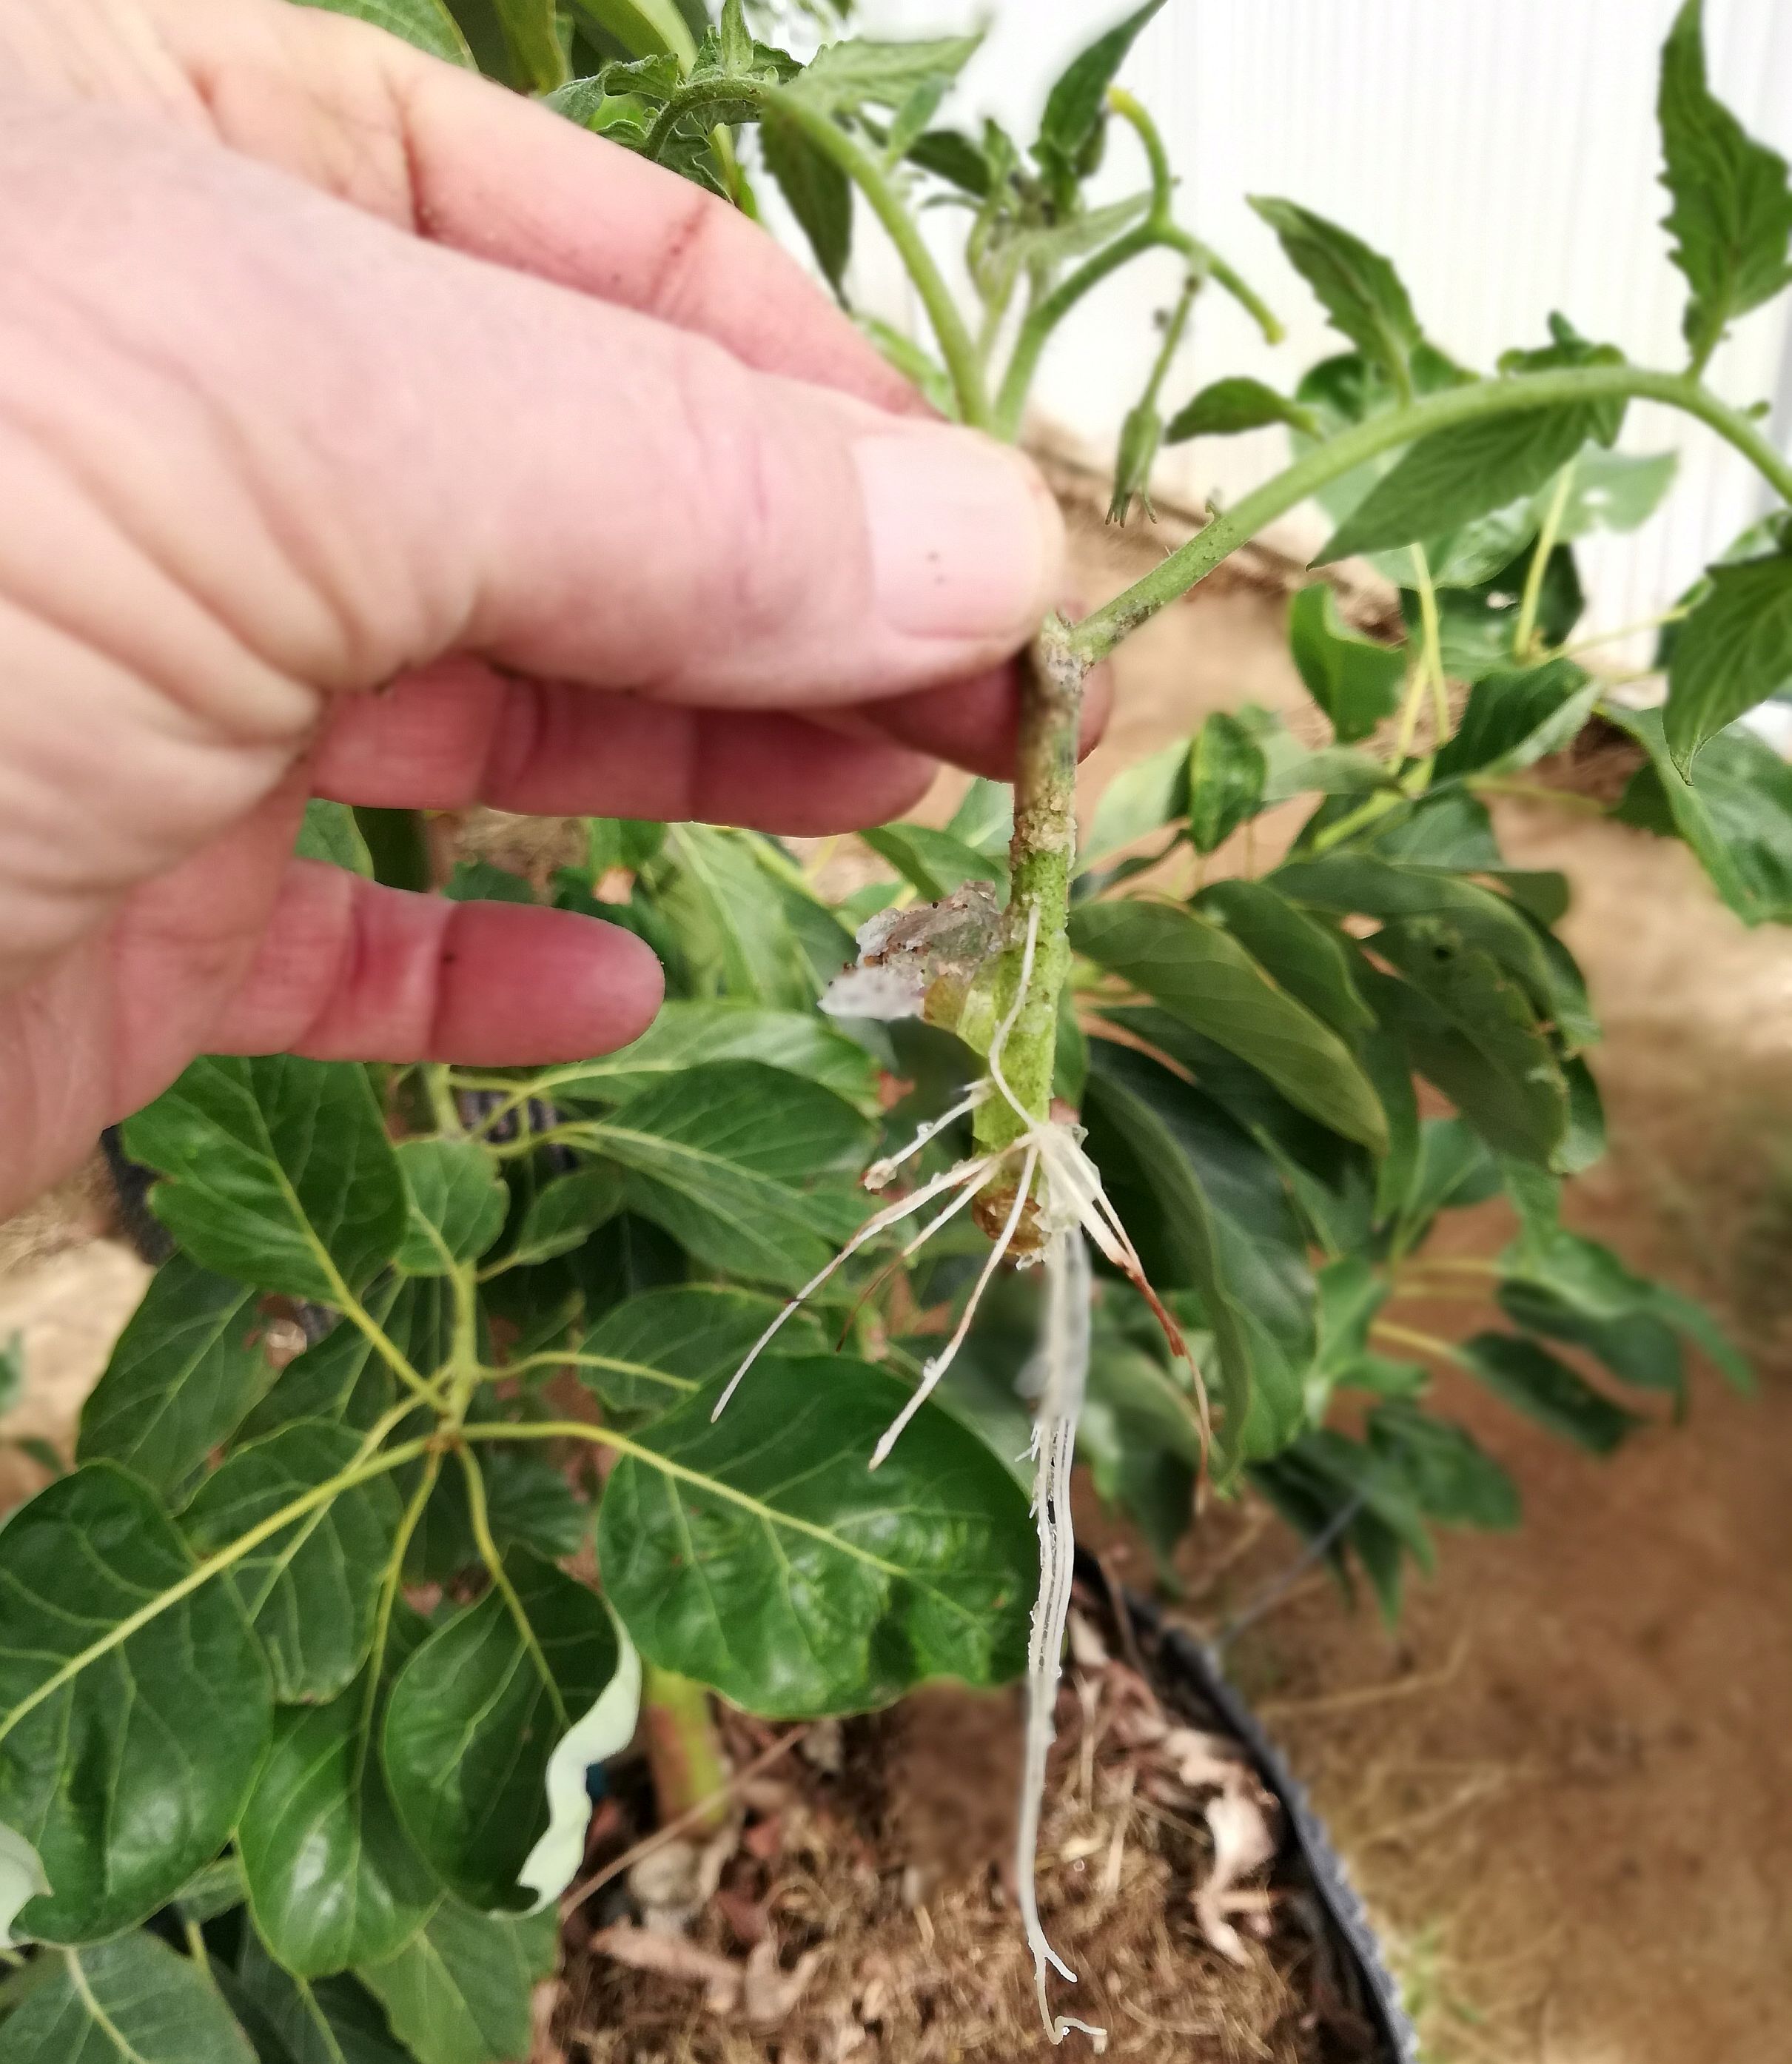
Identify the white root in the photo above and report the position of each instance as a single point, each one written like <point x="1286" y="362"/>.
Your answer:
<point x="1066" y="1346"/>
<point x="879" y="1175"/>
<point x="969" y="1174"/>
<point x="936" y="1368"/>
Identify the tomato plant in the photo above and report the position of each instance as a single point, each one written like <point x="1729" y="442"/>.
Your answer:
<point x="310" y="1653"/>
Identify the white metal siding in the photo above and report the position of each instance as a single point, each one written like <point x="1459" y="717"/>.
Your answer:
<point x="1505" y="157"/>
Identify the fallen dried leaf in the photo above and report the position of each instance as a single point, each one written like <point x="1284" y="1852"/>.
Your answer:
<point x="771" y="1995"/>
<point x="674" y="1957"/>
<point x="1240" y="1819"/>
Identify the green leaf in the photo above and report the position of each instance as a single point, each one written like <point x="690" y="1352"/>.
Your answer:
<point x="1639" y="1348"/>
<point x="1733" y="651"/>
<point x="331" y="2021"/>
<point x="711" y="1156"/>
<point x="188" y="1370"/>
<point x="685" y="1035"/>
<point x="331" y="1877"/>
<point x="126" y="1750"/>
<point x="129" y="2001"/>
<point x="985" y="820"/>
<point x="1451" y="1476"/>
<point x="1230" y="406"/>
<point x="1452" y="1170"/>
<point x="819" y="192"/>
<point x="1572" y="1289"/>
<point x="1143" y="800"/>
<point x="1535" y="1382"/>
<point x="731" y="918"/>
<point x="529" y="1504"/>
<point x="330" y="833"/>
<point x="1612" y="491"/>
<point x="652" y="1350"/>
<point x="1514" y="719"/>
<point x="1358" y="287"/>
<point x="1202" y="975"/>
<point x="482" y="881"/>
<point x="1333" y="1181"/>
<point x="1737" y="817"/>
<point x="1078" y="99"/>
<point x="760" y="1555"/>
<point x="476" y="1714"/>
<point x="1304" y="956"/>
<point x="1454" y="476"/>
<point x="849" y="75"/>
<point x="457" y="1203"/>
<point x="1354" y="680"/>
<point x="1349" y="389"/>
<point x="1364" y="883"/>
<point x="1208" y="1211"/>
<point x="1469" y="1030"/>
<point x="459" y="1993"/>
<point x="309" y="1591"/>
<point x="1732" y="215"/>
<point x="427" y="24"/>
<point x="279" y="1171"/>
<point x="1226" y="773"/>
<point x="644" y="28"/>
<point x="532" y="37"/>
<point x="344" y="1375"/>
<point x="954" y="158"/>
<point x="211" y="1893"/>
<point x="934" y="862"/>
<point x="563" y="1214"/>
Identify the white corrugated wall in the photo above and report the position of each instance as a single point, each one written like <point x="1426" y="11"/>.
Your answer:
<point x="1505" y="157"/>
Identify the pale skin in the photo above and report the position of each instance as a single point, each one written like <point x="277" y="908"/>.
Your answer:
<point x="369" y="433"/>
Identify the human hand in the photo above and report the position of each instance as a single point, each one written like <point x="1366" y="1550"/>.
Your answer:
<point x="370" y="432"/>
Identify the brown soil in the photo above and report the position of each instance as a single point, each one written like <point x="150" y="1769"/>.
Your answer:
<point x="1566" y="1782"/>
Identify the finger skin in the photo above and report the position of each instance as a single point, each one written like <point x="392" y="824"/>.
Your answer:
<point x="349" y="971"/>
<point x="460" y="733"/>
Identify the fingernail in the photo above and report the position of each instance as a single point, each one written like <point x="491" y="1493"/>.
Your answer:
<point x="966" y="540"/>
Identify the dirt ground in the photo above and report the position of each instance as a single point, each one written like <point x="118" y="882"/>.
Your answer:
<point x="1566" y="1782"/>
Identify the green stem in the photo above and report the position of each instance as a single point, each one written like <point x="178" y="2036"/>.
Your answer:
<point x="684" y="1751"/>
<point x="391" y="1583"/>
<point x="1174" y="331"/>
<point x="398" y="845"/>
<point x="1366" y="813"/>
<point x="1534" y="792"/>
<point x="1428" y="670"/>
<point x="1525" y="631"/>
<point x="480" y="1517"/>
<point x="957" y="346"/>
<point x="1096" y="635"/>
<point x="1041" y="860"/>
<point x="1408" y="1337"/>
<point x="532" y="37"/>
<point x="1043" y="320"/>
<point x="1657" y="622"/>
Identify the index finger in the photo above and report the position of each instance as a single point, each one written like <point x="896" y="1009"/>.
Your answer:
<point x="463" y="162"/>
